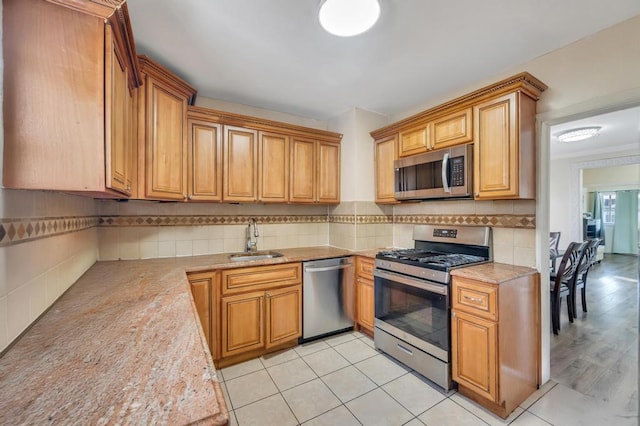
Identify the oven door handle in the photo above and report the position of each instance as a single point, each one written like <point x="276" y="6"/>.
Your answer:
<point x="413" y="282"/>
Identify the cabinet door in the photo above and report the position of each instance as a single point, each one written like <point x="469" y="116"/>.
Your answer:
<point x="204" y="164"/>
<point x="496" y="153"/>
<point x="474" y="347"/>
<point x="452" y="129"/>
<point x="118" y="120"/>
<point x="328" y="173"/>
<point x="385" y="155"/>
<point x="415" y="141"/>
<point x="284" y="316"/>
<point x="201" y="286"/>
<point x="242" y="323"/>
<point x="364" y="302"/>
<point x="240" y="164"/>
<point x="166" y="153"/>
<point x="273" y="168"/>
<point x="303" y="171"/>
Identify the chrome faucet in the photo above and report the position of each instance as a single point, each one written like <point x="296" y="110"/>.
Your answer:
<point x="252" y="245"/>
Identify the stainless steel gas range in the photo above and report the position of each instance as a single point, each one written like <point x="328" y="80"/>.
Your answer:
<point x="412" y="295"/>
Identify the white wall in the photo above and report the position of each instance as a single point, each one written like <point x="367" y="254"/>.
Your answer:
<point x="598" y="66"/>
<point x="357" y="180"/>
<point x="611" y="178"/>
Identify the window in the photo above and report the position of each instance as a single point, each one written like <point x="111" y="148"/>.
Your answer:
<point x="608" y="207"/>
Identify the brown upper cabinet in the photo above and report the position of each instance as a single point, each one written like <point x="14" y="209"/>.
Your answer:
<point x="162" y="133"/>
<point x="504" y="153"/>
<point x="273" y="167"/>
<point x="448" y="130"/>
<point x="263" y="161"/>
<point x="204" y="160"/>
<point x="498" y="119"/>
<point x="315" y="171"/>
<point x="68" y="100"/>
<point x="240" y="164"/>
<point x="386" y="152"/>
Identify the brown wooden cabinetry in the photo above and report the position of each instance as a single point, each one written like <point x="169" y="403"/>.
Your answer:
<point x="452" y="129"/>
<point x="273" y="167"/>
<point x="314" y="172"/>
<point x="68" y="100"/>
<point x="385" y="155"/>
<point x="303" y="170"/>
<point x="495" y="334"/>
<point x="260" y="310"/>
<point x="364" y="294"/>
<point x="500" y="122"/>
<point x="504" y="152"/>
<point x="205" y="293"/>
<point x="162" y="133"/>
<point x="328" y="173"/>
<point x="240" y="176"/>
<point x="119" y="117"/>
<point x="204" y="160"/>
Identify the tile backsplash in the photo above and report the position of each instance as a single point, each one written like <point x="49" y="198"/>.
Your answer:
<point x="47" y="242"/>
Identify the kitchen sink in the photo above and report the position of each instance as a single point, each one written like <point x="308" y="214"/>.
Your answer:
<point x="256" y="255"/>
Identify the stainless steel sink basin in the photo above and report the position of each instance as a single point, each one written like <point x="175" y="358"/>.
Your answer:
<point x="256" y="255"/>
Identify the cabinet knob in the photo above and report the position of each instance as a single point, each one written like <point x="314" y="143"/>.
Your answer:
<point x="453" y="314"/>
<point x="267" y="295"/>
<point x="129" y="188"/>
<point x="190" y="197"/>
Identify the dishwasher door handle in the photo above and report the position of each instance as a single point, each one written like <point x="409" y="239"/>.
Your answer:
<point x="328" y="268"/>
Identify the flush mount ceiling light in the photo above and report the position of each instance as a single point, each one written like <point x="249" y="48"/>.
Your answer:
<point x="578" y="134"/>
<point x="346" y="18"/>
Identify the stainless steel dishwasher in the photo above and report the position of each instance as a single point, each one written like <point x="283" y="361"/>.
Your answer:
<point x="328" y="296"/>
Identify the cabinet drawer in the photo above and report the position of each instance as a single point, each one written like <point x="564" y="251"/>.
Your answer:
<point x="260" y="277"/>
<point x="475" y="298"/>
<point x="364" y="267"/>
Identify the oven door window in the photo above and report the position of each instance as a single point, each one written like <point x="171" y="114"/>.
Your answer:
<point x="420" y="313"/>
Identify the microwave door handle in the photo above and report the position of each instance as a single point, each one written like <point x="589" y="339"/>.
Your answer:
<point x="445" y="174"/>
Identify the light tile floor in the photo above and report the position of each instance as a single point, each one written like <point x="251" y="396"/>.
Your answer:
<point x="343" y="380"/>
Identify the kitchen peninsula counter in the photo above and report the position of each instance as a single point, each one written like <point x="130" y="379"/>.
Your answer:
<point x="123" y="345"/>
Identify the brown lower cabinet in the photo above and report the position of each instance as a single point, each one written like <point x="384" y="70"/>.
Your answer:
<point x="364" y="294"/>
<point x="251" y="310"/>
<point x="495" y="336"/>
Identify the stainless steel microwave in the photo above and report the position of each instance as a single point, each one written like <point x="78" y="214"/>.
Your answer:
<point x="444" y="173"/>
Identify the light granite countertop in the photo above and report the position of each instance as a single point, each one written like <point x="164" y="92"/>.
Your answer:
<point x="493" y="273"/>
<point x="123" y="345"/>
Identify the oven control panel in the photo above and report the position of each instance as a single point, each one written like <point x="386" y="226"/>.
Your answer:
<point x="445" y="233"/>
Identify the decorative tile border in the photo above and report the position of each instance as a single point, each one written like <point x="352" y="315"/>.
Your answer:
<point x="16" y="231"/>
<point x="20" y="230"/>
<point x="187" y="220"/>
<point x="361" y="219"/>
<point x="498" y="221"/>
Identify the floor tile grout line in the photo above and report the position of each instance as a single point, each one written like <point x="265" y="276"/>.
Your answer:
<point x="535" y="415"/>
<point x="464" y="408"/>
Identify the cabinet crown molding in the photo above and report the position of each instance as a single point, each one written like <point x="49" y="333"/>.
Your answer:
<point x="150" y="67"/>
<point x="523" y="82"/>
<point x="256" y="123"/>
<point x="99" y="8"/>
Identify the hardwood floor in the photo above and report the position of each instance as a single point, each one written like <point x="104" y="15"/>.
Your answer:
<point x="597" y="355"/>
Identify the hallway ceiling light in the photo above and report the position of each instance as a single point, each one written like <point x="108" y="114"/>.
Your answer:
<point x="578" y="134"/>
<point x="346" y="18"/>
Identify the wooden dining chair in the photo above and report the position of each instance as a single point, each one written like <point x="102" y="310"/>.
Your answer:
<point x="562" y="282"/>
<point x="587" y="260"/>
<point x="554" y="241"/>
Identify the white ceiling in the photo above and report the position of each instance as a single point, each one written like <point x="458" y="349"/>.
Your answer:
<point x="620" y="133"/>
<point x="274" y="55"/>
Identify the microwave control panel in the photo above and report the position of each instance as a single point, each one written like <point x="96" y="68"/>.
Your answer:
<point x="457" y="171"/>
